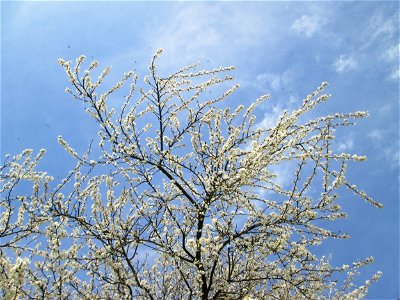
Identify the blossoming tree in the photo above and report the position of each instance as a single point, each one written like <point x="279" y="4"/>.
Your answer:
<point x="179" y="200"/>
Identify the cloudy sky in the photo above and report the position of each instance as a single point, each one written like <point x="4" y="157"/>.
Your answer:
<point x="285" y="49"/>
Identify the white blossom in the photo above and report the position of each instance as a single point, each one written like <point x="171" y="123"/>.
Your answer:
<point x="180" y="199"/>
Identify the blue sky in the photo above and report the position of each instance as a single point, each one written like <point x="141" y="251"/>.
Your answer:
<point x="283" y="48"/>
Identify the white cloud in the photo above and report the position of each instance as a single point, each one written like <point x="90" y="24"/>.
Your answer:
<point x="307" y="25"/>
<point x="205" y="32"/>
<point x="390" y="151"/>
<point x="391" y="54"/>
<point x="395" y="75"/>
<point x="345" y="63"/>
<point x="284" y="173"/>
<point x="293" y="100"/>
<point x="270" y="118"/>
<point x="392" y="156"/>
<point x="383" y="27"/>
<point x="382" y="34"/>
<point x="346" y="145"/>
<point x="273" y="81"/>
<point x="376" y="135"/>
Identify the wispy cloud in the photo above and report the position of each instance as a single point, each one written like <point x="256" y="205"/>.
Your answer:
<point x="395" y="75"/>
<point x="391" y="54"/>
<point x="345" y="63"/>
<point x="307" y="25"/>
<point x="284" y="173"/>
<point x="271" y="117"/>
<point x="376" y="136"/>
<point x="273" y="81"/>
<point x="346" y="145"/>
<point x="391" y="57"/>
<point x="202" y="31"/>
<point x="390" y="150"/>
<point x="392" y="156"/>
<point x="382" y="27"/>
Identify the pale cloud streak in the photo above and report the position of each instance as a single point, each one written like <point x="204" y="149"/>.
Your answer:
<point x="392" y="156"/>
<point x="395" y="75"/>
<point x="346" y="145"/>
<point x="391" y="54"/>
<point x="390" y="150"/>
<point x="274" y="81"/>
<point x="271" y="117"/>
<point x="382" y="27"/>
<point x="201" y="31"/>
<point x="376" y="136"/>
<point x="345" y="63"/>
<point x="307" y="25"/>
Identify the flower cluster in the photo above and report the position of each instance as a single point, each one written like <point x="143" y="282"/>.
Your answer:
<point x="180" y="200"/>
